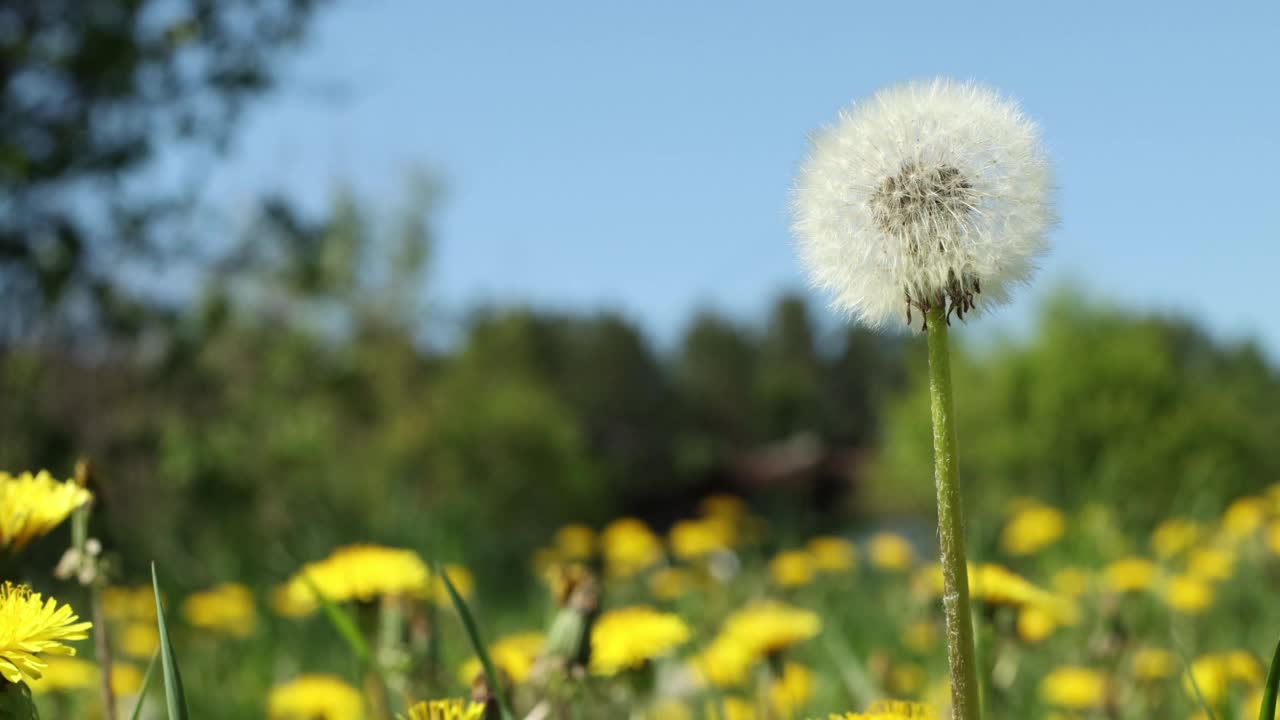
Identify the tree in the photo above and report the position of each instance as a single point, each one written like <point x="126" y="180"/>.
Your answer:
<point x="91" y="91"/>
<point x="1141" y="413"/>
<point x="715" y="372"/>
<point x="788" y="382"/>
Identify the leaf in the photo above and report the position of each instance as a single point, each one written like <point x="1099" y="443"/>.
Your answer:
<point x="477" y="644"/>
<point x="1268" y="709"/>
<point x="342" y="621"/>
<point x="146" y="683"/>
<point x="174" y="697"/>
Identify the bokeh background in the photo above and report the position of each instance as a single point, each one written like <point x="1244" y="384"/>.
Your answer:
<point x="294" y="274"/>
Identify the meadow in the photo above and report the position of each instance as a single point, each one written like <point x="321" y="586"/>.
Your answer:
<point x="718" y="615"/>
<point x="266" y="453"/>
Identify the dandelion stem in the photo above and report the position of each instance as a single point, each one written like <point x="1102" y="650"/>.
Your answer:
<point x="955" y="576"/>
<point x="102" y="647"/>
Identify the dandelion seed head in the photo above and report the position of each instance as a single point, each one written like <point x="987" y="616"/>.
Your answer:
<point x="927" y="193"/>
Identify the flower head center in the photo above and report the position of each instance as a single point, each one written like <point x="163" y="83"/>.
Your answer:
<point x="922" y="201"/>
<point x="924" y="207"/>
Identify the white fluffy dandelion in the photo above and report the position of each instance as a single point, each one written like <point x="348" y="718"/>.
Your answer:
<point x="926" y="195"/>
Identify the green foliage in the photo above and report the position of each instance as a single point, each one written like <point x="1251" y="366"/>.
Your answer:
<point x="478" y="644"/>
<point x="174" y="696"/>
<point x="345" y="626"/>
<point x="1102" y="406"/>
<point x="1267" y="710"/>
<point x="120" y="82"/>
<point x="15" y="702"/>
<point x="146" y="685"/>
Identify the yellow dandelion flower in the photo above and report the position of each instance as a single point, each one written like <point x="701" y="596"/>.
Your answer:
<point x="1209" y="675"/>
<point x="1070" y="582"/>
<point x="1216" y="673"/>
<point x="544" y="559"/>
<point x="576" y="542"/>
<point x="792" y="569"/>
<point x="669" y="709"/>
<point x="1273" y="537"/>
<point x="226" y="608"/>
<point x="723" y="663"/>
<point x="126" y="679"/>
<point x="1253" y="706"/>
<point x="315" y="697"/>
<point x="907" y="679"/>
<point x="513" y="655"/>
<point x="1212" y="564"/>
<point x="1188" y="595"/>
<point x="696" y="539"/>
<point x="629" y="547"/>
<point x="63" y="674"/>
<point x="1151" y="664"/>
<point x="32" y="505"/>
<point x="730" y="707"/>
<point x="791" y="690"/>
<point x="832" y="554"/>
<point x="123" y="604"/>
<point x="445" y="710"/>
<point x="1036" y="623"/>
<point x="355" y="572"/>
<point x="632" y="636"/>
<point x="1244" y="516"/>
<point x="31" y="626"/>
<point x="768" y="627"/>
<point x="927" y="581"/>
<point x="68" y="674"/>
<point x="563" y="579"/>
<point x="1074" y="688"/>
<point x="1174" y="536"/>
<point x="462" y="581"/>
<point x="669" y="583"/>
<point x="1032" y="529"/>
<point x="998" y="585"/>
<point x="890" y="551"/>
<point x="892" y="710"/>
<point x="920" y="637"/>
<point x="139" y="639"/>
<point x="1243" y="667"/>
<point x="723" y="506"/>
<point x="1130" y="574"/>
<point x="938" y="694"/>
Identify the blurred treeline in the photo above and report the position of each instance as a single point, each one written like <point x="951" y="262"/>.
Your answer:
<point x="310" y="394"/>
<point x="307" y="395"/>
<point x="293" y="386"/>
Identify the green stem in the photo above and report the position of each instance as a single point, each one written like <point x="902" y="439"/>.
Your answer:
<point x="102" y="647"/>
<point x="955" y="576"/>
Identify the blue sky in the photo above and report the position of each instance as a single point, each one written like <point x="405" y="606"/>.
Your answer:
<point x="637" y="156"/>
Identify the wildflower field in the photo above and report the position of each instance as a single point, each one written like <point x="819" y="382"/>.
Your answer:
<point x="718" y="615"/>
<point x="708" y="370"/>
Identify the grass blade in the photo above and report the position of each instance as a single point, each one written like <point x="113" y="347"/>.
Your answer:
<point x="1268" y="709"/>
<point x="342" y="621"/>
<point x="854" y="680"/>
<point x="174" y="697"/>
<point x="477" y="644"/>
<point x="1191" y="678"/>
<point x="146" y="683"/>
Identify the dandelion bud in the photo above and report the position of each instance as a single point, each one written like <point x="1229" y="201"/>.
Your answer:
<point x="568" y="639"/>
<point x="926" y="195"/>
<point x="15" y="702"/>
